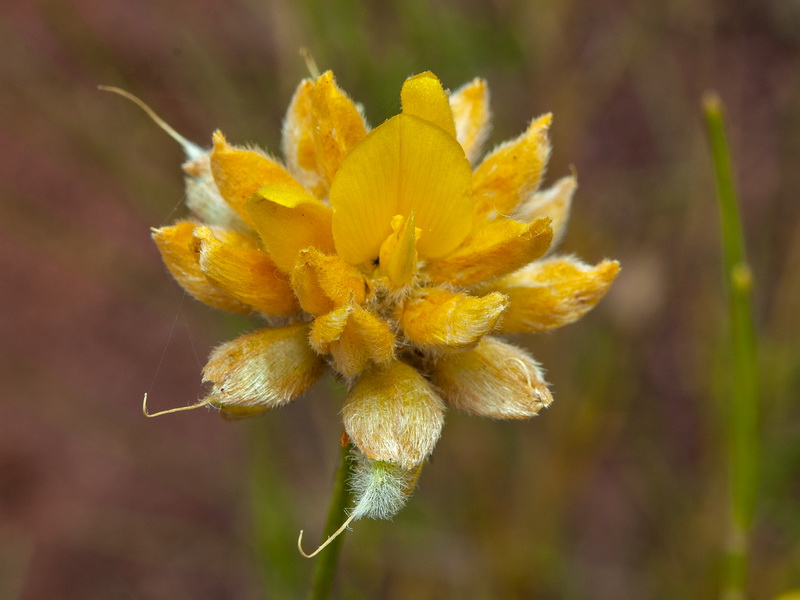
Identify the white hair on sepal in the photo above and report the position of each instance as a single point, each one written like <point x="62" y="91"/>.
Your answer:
<point x="380" y="489"/>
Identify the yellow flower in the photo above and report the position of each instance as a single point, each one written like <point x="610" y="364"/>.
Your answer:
<point x="383" y="255"/>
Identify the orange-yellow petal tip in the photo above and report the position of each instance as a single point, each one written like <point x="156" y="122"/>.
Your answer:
<point x="237" y="266"/>
<point x="513" y="170"/>
<point x="289" y="219"/>
<point x="554" y="292"/>
<point x="501" y="247"/>
<point x="324" y="282"/>
<point x="436" y="319"/>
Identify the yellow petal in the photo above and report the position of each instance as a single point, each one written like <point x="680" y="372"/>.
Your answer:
<point x="405" y="164"/>
<point x="337" y="124"/>
<point x="470" y="106"/>
<point x="554" y="202"/>
<point x="354" y="337"/>
<point x="494" y="380"/>
<point x="328" y="328"/>
<point x="176" y="245"/>
<point x="437" y="319"/>
<point x="392" y="414"/>
<point x="398" y="253"/>
<point x="297" y="141"/>
<point x="288" y="220"/>
<point x="512" y="171"/>
<point x="245" y="273"/>
<point x="553" y="292"/>
<point x="323" y="282"/>
<point x="203" y="197"/>
<point x="499" y="248"/>
<point x="423" y="96"/>
<point x="366" y="339"/>
<point x="239" y="173"/>
<point x="268" y="368"/>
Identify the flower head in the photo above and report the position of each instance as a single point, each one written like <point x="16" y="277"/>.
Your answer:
<point x="382" y="254"/>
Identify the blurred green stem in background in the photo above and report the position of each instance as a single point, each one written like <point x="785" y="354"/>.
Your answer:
<point x="325" y="568"/>
<point x="741" y="411"/>
<point x="274" y="519"/>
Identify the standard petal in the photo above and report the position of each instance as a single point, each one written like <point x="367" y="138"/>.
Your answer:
<point x="288" y="220"/>
<point x="423" y="96"/>
<point x="551" y="293"/>
<point x="337" y="124"/>
<point x="554" y="202"/>
<point x="297" y="141"/>
<point x="323" y="282"/>
<point x="266" y="368"/>
<point x="354" y="337"/>
<point x="176" y="244"/>
<point x="512" y="171"/>
<point x="494" y="380"/>
<point x="392" y="414"/>
<point x="405" y="164"/>
<point x="245" y="273"/>
<point x="239" y="173"/>
<point x="435" y="319"/>
<point x="470" y="106"/>
<point x="499" y="248"/>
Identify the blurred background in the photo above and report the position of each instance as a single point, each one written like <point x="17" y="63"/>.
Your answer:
<point x="617" y="492"/>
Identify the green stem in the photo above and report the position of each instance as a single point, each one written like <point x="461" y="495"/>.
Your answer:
<point x="325" y="569"/>
<point x="742" y="410"/>
<point x="274" y="518"/>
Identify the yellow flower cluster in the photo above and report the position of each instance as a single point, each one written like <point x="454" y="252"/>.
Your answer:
<point x="385" y="256"/>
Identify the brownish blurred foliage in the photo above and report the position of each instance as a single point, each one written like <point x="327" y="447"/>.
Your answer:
<point x="616" y="492"/>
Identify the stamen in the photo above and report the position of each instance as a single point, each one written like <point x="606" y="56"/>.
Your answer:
<point x="311" y="64"/>
<point x="205" y="402"/>
<point x="331" y="537"/>
<point x="193" y="151"/>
